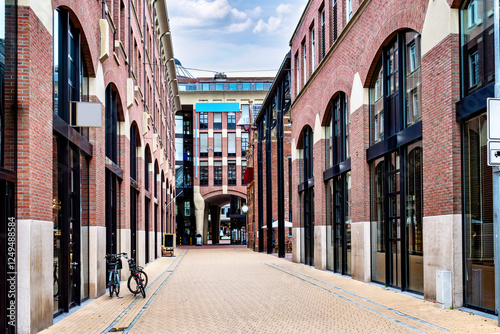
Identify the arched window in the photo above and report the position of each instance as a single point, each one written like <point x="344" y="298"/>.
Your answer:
<point x="111" y="132"/>
<point x="70" y="72"/>
<point x="395" y="164"/>
<point x="395" y="89"/>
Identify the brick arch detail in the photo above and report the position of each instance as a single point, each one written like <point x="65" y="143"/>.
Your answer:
<point x="140" y="142"/>
<point x="302" y="129"/>
<point x="407" y="15"/>
<point x="229" y="192"/>
<point x="111" y="80"/>
<point x="305" y="118"/>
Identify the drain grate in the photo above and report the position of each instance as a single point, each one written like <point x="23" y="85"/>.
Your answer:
<point x="117" y="329"/>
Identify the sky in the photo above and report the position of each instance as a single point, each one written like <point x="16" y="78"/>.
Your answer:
<point x="233" y="36"/>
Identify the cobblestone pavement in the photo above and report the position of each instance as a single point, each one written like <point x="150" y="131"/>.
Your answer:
<point x="235" y="290"/>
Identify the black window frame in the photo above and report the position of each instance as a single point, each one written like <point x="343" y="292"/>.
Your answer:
<point x="231" y="120"/>
<point x="204" y="173"/>
<point x="231" y="173"/>
<point x="203" y="120"/>
<point x="218" y="173"/>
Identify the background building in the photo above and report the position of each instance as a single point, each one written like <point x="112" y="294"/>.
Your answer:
<point x="81" y="192"/>
<point x="214" y="143"/>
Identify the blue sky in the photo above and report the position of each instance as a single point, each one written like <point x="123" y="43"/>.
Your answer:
<point x="232" y="35"/>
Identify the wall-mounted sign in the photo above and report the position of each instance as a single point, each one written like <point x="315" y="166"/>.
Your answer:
<point x="87" y="114"/>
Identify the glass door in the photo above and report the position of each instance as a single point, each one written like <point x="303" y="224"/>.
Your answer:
<point x="394" y="219"/>
<point x="74" y="229"/>
<point x="339" y="226"/>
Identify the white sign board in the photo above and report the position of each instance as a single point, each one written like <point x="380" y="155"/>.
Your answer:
<point x="88" y="114"/>
<point x="493" y="119"/>
<point x="493" y="129"/>
<point x="493" y="153"/>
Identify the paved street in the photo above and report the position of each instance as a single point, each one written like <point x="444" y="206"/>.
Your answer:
<point x="227" y="289"/>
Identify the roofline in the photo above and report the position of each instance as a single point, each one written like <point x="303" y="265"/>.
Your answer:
<point x="272" y="89"/>
<point x="300" y="21"/>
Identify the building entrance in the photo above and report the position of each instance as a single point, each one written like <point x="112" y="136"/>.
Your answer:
<point x="397" y="252"/>
<point x="67" y="209"/>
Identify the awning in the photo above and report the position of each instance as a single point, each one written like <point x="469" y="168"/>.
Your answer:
<point x="217" y="107"/>
<point x="248" y="175"/>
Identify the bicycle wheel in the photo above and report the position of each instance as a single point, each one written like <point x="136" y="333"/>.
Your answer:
<point x="135" y="280"/>
<point x="144" y="278"/>
<point x="143" y="291"/>
<point x="111" y="288"/>
<point x="117" y="285"/>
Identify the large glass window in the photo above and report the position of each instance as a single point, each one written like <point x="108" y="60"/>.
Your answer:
<point x="70" y="73"/>
<point x="244" y="144"/>
<point x="203" y="145"/>
<point x="414" y="214"/>
<point x="378" y="235"/>
<point x="231" y="144"/>
<point x="479" y="247"/>
<point x="413" y="79"/>
<point x="203" y="120"/>
<point x="231" y="120"/>
<point x="394" y="86"/>
<point x="477" y="40"/>
<point x="179" y="149"/>
<point x="203" y="173"/>
<point x="243" y="169"/>
<point x="376" y="107"/>
<point x="217" y="144"/>
<point x="179" y="124"/>
<point x="111" y="134"/>
<point x="217" y="173"/>
<point x="231" y="173"/>
<point x="217" y="120"/>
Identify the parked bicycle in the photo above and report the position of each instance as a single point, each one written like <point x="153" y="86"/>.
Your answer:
<point x="114" y="264"/>
<point x="138" y="280"/>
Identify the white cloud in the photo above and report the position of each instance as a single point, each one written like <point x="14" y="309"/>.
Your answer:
<point x="216" y="16"/>
<point x="274" y="23"/>
<point x="239" y="27"/>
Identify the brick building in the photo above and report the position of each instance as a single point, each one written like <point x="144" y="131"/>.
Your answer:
<point x="211" y="146"/>
<point x="388" y="145"/>
<point x="73" y="191"/>
<point x="269" y="191"/>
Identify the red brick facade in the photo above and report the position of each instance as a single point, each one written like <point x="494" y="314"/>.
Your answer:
<point x="148" y="103"/>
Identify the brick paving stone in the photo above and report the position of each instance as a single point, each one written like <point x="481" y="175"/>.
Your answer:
<point x="235" y="290"/>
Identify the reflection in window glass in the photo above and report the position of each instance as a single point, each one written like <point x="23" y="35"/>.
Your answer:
<point x="376" y="107"/>
<point x="479" y="248"/>
<point x="179" y="149"/>
<point x="179" y="123"/>
<point x="217" y="173"/>
<point x="377" y="220"/>
<point x="231" y="173"/>
<point x="203" y="173"/>
<point x="246" y="86"/>
<point x="477" y="41"/>
<point x="413" y="104"/>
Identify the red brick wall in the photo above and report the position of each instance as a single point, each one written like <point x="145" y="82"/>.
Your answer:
<point x="34" y="186"/>
<point x="441" y="132"/>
